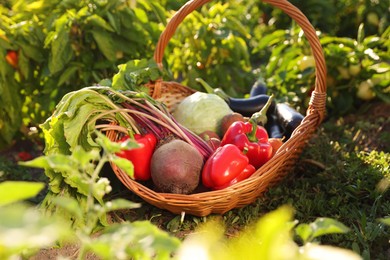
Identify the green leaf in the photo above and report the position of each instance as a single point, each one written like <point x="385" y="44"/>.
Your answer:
<point x="320" y="227"/>
<point x="125" y="165"/>
<point x="159" y="11"/>
<point x="61" y="52"/>
<point x="135" y="73"/>
<point x="10" y="103"/>
<point x="119" y="204"/>
<point x="106" y="44"/>
<point x="269" y="238"/>
<point x="58" y="162"/>
<point x="76" y="114"/>
<point x="304" y="231"/>
<point x="339" y="40"/>
<point x="67" y="74"/>
<point x="32" y="52"/>
<point x="114" y="147"/>
<point x="141" y="15"/>
<point x="39" y="162"/>
<point x="24" y="65"/>
<point x="271" y="39"/>
<point x="114" y="21"/>
<point x="385" y="221"/>
<point x="381" y="67"/>
<point x="83" y="157"/>
<point x="100" y="22"/>
<point x="65" y="165"/>
<point x="383" y="96"/>
<point x="13" y="191"/>
<point x="5" y="44"/>
<point x="71" y="205"/>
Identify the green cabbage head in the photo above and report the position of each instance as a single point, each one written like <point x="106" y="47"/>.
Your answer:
<point x="201" y="111"/>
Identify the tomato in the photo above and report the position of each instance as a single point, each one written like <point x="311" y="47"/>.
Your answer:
<point x="343" y="72"/>
<point x="354" y="69"/>
<point x="200" y="65"/>
<point x="306" y="62"/>
<point x="365" y="91"/>
<point x="119" y="55"/>
<point x="372" y="18"/>
<point x="12" y="58"/>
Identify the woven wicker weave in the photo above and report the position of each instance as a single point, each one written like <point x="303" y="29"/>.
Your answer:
<point x="247" y="191"/>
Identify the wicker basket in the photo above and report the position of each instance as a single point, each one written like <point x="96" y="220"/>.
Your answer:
<point x="247" y="191"/>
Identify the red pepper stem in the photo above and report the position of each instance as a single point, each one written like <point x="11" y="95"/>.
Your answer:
<point x="260" y="118"/>
<point x="252" y="135"/>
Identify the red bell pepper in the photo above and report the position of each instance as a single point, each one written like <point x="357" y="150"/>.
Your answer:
<point x="141" y="156"/>
<point x="226" y="166"/>
<point x="251" y="138"/>
<point x="257" y="149"/>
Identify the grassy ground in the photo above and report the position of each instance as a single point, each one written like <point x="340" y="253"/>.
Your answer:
<point x="342" y="174"/>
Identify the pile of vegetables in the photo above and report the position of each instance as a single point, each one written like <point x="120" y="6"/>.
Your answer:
<point x="238" y="130"/>
<point x="204" y="144"/>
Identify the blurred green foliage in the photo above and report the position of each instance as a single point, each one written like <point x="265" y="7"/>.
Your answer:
<point x="66" y="45"/>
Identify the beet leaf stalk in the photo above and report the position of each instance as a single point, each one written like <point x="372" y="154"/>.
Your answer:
<point x="152" y="116"/>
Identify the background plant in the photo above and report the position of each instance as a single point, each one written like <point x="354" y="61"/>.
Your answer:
<point x="64" y="46"/>
<point x="79" y="43"/>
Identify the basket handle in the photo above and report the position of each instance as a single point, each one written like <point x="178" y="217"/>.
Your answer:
<point x="318" y="97"/>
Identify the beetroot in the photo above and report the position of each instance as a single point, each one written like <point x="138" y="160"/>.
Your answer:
<point x="176" y="167"/>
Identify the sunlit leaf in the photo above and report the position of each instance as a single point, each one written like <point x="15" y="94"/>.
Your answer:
<point x="13" y="191"/>
<point x="385" y="220"/>
<point x="118" y="204"/>
<point x="320" y="227"/>
<point x="114" y="147"/>
<point x="125" y="165"/>
<point x="304" y="231"/>
<point x="141" y="15"/>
